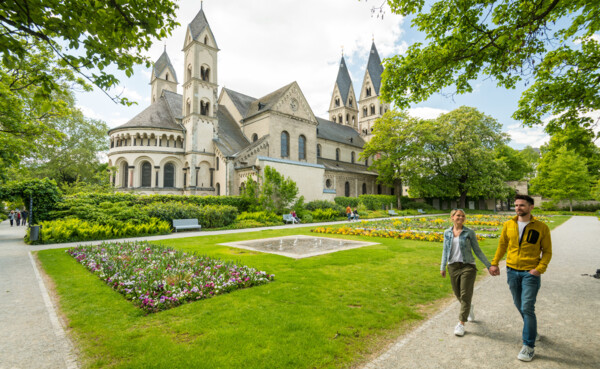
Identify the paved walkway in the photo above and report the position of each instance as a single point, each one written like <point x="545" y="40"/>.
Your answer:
<point x="568" y="311"/>
<point x="568" y="305"/>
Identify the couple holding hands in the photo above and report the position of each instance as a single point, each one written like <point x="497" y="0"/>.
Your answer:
<point x="528" y="246"/>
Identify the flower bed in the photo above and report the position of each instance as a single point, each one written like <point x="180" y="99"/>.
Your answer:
<point x="405" y="235"/>
<point x="158" y="278"/>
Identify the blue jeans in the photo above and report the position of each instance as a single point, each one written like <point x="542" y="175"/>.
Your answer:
<point x="524" y="288"/>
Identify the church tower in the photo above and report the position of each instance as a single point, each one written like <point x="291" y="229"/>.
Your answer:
<point x="199" y="102"/>
<point x="370" y="105"/>
<point x="343" y="108"/>
<point x="163" y="77"/>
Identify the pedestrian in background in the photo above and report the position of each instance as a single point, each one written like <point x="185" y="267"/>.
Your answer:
<point x="11" y="217"/>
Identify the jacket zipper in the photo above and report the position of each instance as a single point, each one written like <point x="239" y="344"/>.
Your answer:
<point x="521" y="240"/>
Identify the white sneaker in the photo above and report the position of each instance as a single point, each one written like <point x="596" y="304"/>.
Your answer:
<point x="526" y="353"/>
<point x="471" y="317"/>
<point x="459" y="330"/>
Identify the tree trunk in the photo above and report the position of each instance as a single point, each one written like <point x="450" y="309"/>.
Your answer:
<point x="463" y="199"/>
<point x="571" y="205"/>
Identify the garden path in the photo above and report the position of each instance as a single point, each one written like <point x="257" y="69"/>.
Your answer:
<point x="567" y="312"/>
<point x="31" y="335"/>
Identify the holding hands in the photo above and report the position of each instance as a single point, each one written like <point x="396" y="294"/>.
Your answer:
<point x="494" y="270"/>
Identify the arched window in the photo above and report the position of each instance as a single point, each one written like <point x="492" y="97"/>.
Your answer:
<point x="205" y="73"/>
<point x="364" y="188"/>
<point x="353" y="120"/>
<point x="254" y="137"/>
<point x="146" y="174"/>
<point x="350" y="102"/>
<point x="169" y="175"/>
<point x="368" y="91"/>
<point x="337" y="154"/>
<point x="285" y="144"/>
<point x="301" y="148"/>
<point x="218" y="189"/>
<point x="341" y="119"/>
<point x="205" y="40"/>
<point x="337" y="101"/>
<point x="352" y="157"/>
<point x="318" y="150"/>
<point x="347" y="189"/>
<point x="124" y="174"/>
<point x="372" y="109"/>
<point x="347" y="118"/>
<point x="364" y="112"/>
<point x="333" y="119"/>
<point x="381" y="110"/>
<point x="217" y="163"/>
<point x="167" y="76"/>
<point x="328" y="183"/>
<point x="204" y="108"/>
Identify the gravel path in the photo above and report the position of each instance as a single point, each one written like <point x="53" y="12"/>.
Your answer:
<point x="31" y="336"/>
<point x="567" y="310"/>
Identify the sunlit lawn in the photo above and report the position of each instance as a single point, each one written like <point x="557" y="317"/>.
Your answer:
<point x="327" y="311"/>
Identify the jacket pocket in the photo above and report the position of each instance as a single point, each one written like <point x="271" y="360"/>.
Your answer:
<point x="532" y="236"/>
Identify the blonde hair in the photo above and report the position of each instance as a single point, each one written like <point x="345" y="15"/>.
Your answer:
<point x="454" y="211"/>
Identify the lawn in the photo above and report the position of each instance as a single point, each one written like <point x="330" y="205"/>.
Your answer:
<point x="328" y="311"/>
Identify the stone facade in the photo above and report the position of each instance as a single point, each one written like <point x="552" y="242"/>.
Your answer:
<point x="205" y="142"/>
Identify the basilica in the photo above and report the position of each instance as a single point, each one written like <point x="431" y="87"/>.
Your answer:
<point x="209" y="142"/>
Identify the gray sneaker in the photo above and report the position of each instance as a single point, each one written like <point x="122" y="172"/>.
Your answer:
<point x="526" y="353"/>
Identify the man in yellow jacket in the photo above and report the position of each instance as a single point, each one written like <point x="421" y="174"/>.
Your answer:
<point x="528" y="246"/>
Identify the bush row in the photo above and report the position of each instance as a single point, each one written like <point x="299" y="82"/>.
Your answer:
<point x="72" y="230"/>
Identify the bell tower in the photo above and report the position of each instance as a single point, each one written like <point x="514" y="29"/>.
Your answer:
<point x="163" y="77"/>
<point x="199" y="96"/>
<point x="343" y="108"/>
<point x="371" y="107"/>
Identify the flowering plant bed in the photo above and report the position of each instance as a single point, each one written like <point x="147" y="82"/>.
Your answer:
<point x="158" y="278"/>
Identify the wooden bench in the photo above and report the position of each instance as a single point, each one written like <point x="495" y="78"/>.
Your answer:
<point x="392" y="213"/>
<point x="186" y="224"/>
<point x="287" y="218"/>
<point x="421" y="211"/>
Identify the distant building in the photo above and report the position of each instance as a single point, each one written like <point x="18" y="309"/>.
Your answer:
<point x="208" y="143"/>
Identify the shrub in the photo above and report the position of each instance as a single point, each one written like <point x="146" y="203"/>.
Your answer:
<point x="346" y="201"/>
<point x="306" y="217"/>
<point x="325" y="214"/>
<point x="324" y="204"/>
<point x="71" y="230"/>
<point x="209" y="216"/>
<point x="378" y="202"/>
<point x="261" y="217"/>
<point x="44" y="193"/>
<point x="417" y="205"/>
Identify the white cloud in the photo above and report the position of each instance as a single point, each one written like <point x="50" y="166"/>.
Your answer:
<point x="426" y="112"/>
<point x="595" y="37"/>
<point x="527" y="136"/>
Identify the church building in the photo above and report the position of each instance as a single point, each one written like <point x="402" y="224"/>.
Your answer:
<point x="208" y="142"/>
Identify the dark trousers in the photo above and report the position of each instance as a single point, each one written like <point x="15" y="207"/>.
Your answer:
<point x="462" y="278"/>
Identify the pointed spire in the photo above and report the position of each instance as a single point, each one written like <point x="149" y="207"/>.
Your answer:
<point x="162" y="63"/>
<point x="374" y="68"/>
<point x="343" y="81"/>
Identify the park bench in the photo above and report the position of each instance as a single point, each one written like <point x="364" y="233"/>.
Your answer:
<point x="392" y="213"/>
<point x="421" y="211"/>
<point x="287" y="218"/>
<point x="186" y="224"/>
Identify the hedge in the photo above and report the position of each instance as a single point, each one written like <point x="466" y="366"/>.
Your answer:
<point x="378" y="202"/>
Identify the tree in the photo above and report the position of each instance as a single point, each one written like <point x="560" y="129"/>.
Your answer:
<point x="43" y="193"/>
<point x="75" y="157"/>
<point x="563" y="176"/>
<point x="551" y="45"/>
<point x="394" y="140"/>
<point x="451" y="156"/>
<point x="518" y="167"/>
<point x="26" y="110"/>
<point x="276" y="192"/>
<point x="581" y="142"/>
<point x="87" y="37"/>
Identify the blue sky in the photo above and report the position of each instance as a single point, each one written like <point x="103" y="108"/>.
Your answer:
<point x="266" y="44"/>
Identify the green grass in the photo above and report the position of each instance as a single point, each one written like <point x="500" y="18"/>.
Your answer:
<point x="327" y="311"/>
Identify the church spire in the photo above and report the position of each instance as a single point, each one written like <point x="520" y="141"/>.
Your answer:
<point x="343" y="108"/>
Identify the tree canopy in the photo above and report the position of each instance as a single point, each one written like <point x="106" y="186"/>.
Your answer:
<point x="562" y="175"/>
<point x="449" y="157"/>
<point x="550" y="46"/>
<point x="86" y="37"/>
